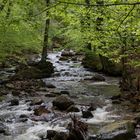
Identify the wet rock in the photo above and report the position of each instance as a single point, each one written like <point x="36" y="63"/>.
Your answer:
<point x="111" y="68"/>
<point x="44" y="117"/>
<point x="67" y="73"/>
<point x="29" y="86"/>
<point x="23" y="116"/>
<point x="50" y="95"/>
<point x="64" y="92"/>
<point x="57" y="74"/>
<point x="73" y="108"/>
<point x="3" y="91"/>
<point x="60" y="136"/>
<point x="116" y="102"/>
<point x="34" y="71"/>
<point x="2" y="128"/>
<point x="29" y="109"/>
<point x="16" y="93"/>
<point x="74" y="58"/>
<point x="27" y="73"/>
<point x="92" y="61"/>
<point x="14" y="102"/>
<point x="68" y="53"/>
<point x="99" y="63"/>
<point x="123" y="130"/>
<point x="10" y="85"/>
<point x="87" y="114"/>
<point x="49" y="85"/>
<point x="41" y="110"/>
<point x="51" y="134"/>
<point x="63" y="58"/>
<point x="116" y="97"/>
<point x="92" y="107"/>
<point x="62" y="102"/>
<point x="36" y="101"/>
<point x="98" y="77"/>
<point x="23" y="119"/>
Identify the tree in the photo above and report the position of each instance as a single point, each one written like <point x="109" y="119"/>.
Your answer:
<point x="46" y="33"/>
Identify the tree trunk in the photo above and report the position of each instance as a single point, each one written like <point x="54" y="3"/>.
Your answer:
<point x="46" y="34"/>
<point x="88" y="45"/>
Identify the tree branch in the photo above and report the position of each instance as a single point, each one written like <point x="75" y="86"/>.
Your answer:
<point x="46" y="9"/>
<point x="126" y="17"/>
<point x="96" y="5"/>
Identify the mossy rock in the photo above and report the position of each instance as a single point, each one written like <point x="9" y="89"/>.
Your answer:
<point x="111" y="68"/>
<point x="92" y="61"/>
<point x="34" y="71"/>
<point x="27" y="73"/>
<point x="123" y="130"/>
<point x="46" y="67"/>
<point x="100" y="63"/>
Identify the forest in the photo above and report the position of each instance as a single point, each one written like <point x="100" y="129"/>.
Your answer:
<point x="69" y="69"/>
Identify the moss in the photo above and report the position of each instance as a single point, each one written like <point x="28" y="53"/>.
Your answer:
<point x="34" y="71"/>
<point x="110" y="67"/>
<point x="92" y="61"/>
<point x="99" y="63"/>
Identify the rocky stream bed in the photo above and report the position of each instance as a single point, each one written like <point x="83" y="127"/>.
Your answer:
<point x="32" y="110"/>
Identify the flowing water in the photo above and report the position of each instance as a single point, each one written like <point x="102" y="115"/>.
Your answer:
<point x="69" y="76"/>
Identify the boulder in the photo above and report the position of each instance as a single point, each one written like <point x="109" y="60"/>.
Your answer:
<point x="73" y="108"/>
<point x="54" y="135"/>
<point x="68" y="53"/>
<point x="101" y="63"/>
<point x="46" y="67"/>
<point x="63" y="58"/>
<point x="16" y="93"/>
<point x="98" y="77"/>
<point x="92" y="61"/>
<point x="111" y="68"/>
<point x="36" y="101"/>
<point x="50" y="95"/>
<point x="49" y="85"/>
<point x="14" y="102"/>
<point x="64" y="92"/>
<point x="51" y="134"/>
<point x="115" y="97"/>
<point x="62" y="102"/>
<point x="27" y="73"/>
<point x="29" y="85"/>
<point x="10" y="85"/>
<point x="23" y="116"/>
<point x="41" y="110"/>
<point x="92" y="107"/>
<point x="87" y="114"/>
<point x="2" y="128"/>
<point x="35" y="71"/>
<point x="122" y="130"/>
<point x="60" y="136"/>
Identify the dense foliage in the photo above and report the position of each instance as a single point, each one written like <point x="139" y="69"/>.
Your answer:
<point x="107" y="28"/>
<point x="110" y="28"/>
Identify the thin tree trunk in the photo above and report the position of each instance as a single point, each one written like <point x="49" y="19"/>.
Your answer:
<point x="88" y="45"/>
<point x="46" y="34"/>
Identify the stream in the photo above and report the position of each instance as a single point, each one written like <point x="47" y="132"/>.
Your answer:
<point x="69" y="76"/>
